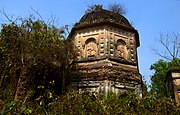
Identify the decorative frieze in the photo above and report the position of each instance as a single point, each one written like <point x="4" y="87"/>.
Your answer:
<point x="107" y="58"/>
<point x="105" y="86"/>
<point x="119" y="45"/>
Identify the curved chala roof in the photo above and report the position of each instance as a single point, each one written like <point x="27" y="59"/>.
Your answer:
<point x="104" y="17"/>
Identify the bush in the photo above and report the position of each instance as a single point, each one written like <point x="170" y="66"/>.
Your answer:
<point x="89" y="103"/>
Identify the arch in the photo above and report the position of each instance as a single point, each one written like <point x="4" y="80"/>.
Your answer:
<point x="121" y="49"/>
<point x="121" y="42"/>
<point x="90" y="48"/>
<point x="90" y="40"/>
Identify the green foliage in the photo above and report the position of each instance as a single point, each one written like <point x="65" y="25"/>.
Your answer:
<point x="88" y="103"/>
<point x="160" y="68"/>
<point x="33" y="54"/>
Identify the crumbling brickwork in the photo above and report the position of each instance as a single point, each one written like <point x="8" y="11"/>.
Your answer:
<point x="107" y="53"/>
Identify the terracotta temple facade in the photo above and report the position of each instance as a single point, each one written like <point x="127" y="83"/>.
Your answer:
<point x="106" y="53"/>
<point x="173" y="84"/>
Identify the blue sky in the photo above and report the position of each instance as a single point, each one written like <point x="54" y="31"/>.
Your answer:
<point x="149" y="17"/>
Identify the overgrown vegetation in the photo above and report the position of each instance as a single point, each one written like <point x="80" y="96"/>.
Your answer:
<point x="36" y="65"/>
<point x="117" y="8"/>
<point x="112" y="7"/>
<point x="35" y="58"/>
<point x="87" y="103"/>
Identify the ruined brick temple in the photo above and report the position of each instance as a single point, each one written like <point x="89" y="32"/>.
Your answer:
<point x="173" y="84"/>
<point x="107" y="53"/>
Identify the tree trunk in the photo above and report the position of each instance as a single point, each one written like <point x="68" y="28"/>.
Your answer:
<point x="23" y="83"/>
<point x="3" y="75"/>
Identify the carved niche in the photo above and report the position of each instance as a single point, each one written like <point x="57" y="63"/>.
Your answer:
<point x="90" y="48"/>
<point x="121" y="49"/>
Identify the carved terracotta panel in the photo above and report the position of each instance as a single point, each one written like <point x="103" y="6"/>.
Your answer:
<point x="121" y="50"/>
<point x="90" y="48"/>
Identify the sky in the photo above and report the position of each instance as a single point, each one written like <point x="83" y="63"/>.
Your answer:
<point x="149" y="17"/>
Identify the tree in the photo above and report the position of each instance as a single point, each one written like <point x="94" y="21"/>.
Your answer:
<point x="170" y="43"/>
<point x="170" y="54"/>
<point x="33" y="54"/>
<point x="160" y="68"/>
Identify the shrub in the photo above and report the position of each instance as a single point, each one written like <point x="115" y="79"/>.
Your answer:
<point x="88" y="103"/>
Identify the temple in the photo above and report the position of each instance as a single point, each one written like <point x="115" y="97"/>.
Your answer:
<point x="173" y="84"/>
<point x="106" y="53"/>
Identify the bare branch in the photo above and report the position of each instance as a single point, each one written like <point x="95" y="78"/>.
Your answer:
<point x="165" y="42"/>
<point x="93" y="7"/>
<point x="162" y="55"/>
<point x="10" y="19"/>
<point x="37" y="12"/>
<point x="177" y="43"/>
<point x="117" y="8"/>
<point x="171" y="46"/>
<point x="177" y="51"/>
